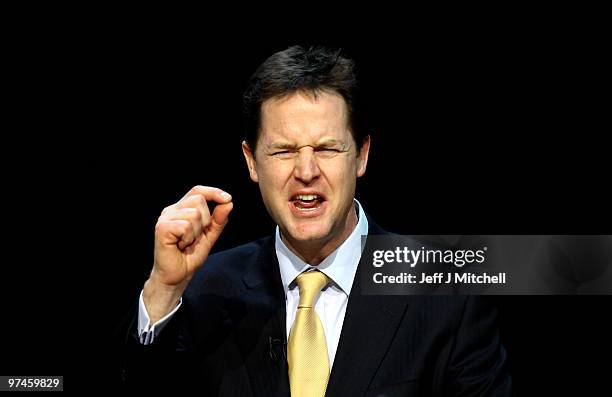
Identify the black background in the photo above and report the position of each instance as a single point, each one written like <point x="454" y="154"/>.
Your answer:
<point x="477" y="129"/>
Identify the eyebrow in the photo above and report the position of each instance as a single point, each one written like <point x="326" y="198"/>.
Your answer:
<point x="325" y="142"/>
<point x="329" y="142"/>
<point x="282" y="145"/>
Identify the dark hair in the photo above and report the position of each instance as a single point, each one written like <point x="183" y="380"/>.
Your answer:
<point x="298" y="69"/>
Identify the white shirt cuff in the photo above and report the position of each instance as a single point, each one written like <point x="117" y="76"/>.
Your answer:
<point x="146" y="331"/>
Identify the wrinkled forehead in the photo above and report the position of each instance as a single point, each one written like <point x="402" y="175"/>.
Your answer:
<point x="302" y="118"/>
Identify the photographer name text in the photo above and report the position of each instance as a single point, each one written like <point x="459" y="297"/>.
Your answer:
<point x="440" y="278"/>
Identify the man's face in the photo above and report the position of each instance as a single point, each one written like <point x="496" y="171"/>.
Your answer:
<point x="307" y="164"/>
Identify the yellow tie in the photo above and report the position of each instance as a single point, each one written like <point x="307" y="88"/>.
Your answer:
<point x="307" y="348"/>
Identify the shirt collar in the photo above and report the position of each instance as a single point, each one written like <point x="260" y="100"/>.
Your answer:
<point x="340" y="266"/>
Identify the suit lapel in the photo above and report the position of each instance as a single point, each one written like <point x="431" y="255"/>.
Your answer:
<point x="262" y="336"/>
<point x="370" y="324"/>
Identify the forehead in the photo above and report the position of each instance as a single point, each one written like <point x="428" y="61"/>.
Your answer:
<point x="302" y="118"/>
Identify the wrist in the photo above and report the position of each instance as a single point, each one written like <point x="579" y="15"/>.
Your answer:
<point x="160" y="299"/>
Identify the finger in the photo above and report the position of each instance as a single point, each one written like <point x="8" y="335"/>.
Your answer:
<point x="175" y="231"/>
<point x="219" y="219"/>
<point x="192" y="215"/>
<point x="199" y="202"/>
<point x="210" y="194"/>
<point x="221" y="214"/>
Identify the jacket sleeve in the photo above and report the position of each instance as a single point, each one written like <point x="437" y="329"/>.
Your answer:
<point x="184" y="355"/>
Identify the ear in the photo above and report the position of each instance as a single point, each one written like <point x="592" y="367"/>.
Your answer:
<point x="249" y="156"/>
<point x="362" y="157"/>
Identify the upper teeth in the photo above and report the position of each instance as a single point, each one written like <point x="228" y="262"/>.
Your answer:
<point x="307" y="197"/>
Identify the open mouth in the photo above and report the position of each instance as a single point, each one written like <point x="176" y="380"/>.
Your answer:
<point x="307" y="202"/>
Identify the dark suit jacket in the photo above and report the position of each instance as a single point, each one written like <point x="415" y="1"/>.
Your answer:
<point x="229" y="335"/>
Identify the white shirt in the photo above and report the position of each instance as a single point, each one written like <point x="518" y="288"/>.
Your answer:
<point x="340" y="266"/>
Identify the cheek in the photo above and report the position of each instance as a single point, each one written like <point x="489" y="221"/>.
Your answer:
<point x="341" y="176"/>
<point x="273" y="178"/>
<point x="341" y="172"/>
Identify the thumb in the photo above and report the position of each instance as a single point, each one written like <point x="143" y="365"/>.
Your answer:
<point x="219" y="220"/>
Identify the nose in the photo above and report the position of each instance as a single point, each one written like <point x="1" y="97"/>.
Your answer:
<point x="306" y="167"/>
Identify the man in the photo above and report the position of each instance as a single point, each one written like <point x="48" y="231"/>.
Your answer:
<point x="284" y="314"/>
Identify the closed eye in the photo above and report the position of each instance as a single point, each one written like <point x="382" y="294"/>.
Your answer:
<point x="328" y="152"/>
<point x="283" y="153"/>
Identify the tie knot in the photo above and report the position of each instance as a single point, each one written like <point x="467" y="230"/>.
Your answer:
<point x="310" y="285"/>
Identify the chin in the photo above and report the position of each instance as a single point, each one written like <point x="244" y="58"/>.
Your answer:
<point x="309" y="232"/>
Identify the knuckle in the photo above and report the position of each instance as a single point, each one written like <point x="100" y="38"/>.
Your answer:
<point x="190" y="212"/>
<point x="161" y="227"/>
<point x="195" y="200"/>
<point x="185" y="226"/>
<point x="195" y="215"/>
